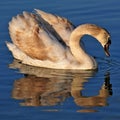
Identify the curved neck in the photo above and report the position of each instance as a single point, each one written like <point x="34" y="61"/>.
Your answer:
<point x="75" y="45"/>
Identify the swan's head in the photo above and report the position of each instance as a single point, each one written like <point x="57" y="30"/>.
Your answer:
<point x="103" y="36"/>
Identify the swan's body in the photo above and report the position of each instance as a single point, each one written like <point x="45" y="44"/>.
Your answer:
<point x="50" y="41"/>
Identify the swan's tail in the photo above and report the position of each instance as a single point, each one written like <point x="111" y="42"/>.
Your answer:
<point x="17" y="53"/>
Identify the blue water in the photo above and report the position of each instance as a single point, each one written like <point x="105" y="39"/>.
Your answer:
<point x="29" y="93"/>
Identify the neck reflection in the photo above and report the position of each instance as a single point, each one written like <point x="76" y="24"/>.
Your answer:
<point x="91" y="101"/>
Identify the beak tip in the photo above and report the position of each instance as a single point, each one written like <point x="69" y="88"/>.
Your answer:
<point x="108" y="54"/>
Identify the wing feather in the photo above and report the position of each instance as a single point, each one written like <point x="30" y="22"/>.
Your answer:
<point x="31" y="38"/>
<point x="62" y="25"/>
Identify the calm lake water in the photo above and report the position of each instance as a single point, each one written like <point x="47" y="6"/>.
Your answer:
<point x="29" y="93"/>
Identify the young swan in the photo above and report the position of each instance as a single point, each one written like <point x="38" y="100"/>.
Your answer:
<point x="38" y="42"/>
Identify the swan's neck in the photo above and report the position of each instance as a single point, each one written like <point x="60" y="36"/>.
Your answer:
<point x="81" y="56"/>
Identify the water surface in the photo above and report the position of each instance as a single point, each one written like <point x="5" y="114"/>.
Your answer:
<point x="29" y="93"/>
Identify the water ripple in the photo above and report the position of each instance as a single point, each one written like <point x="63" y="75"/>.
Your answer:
<point x="110" y="65"/>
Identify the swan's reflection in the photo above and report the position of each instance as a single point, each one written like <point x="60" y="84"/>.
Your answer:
<point x="46" y="87"/>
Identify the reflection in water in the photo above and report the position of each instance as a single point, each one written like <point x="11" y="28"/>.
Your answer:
<point x="47" y="87"/>
<point x="91" y="101"/>
<point x="38" y="91"/>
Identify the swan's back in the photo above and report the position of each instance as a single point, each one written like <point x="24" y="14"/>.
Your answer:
<point x="33" y="40"/>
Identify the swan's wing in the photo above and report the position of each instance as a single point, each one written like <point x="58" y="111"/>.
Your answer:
<point x="62" y="25"/>
<point x="35" y="39"/>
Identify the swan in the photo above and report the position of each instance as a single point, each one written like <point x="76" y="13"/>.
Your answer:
<point x="45" y="40"/>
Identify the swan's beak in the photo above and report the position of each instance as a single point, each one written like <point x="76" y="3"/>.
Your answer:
<point x="106" y="47"/>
